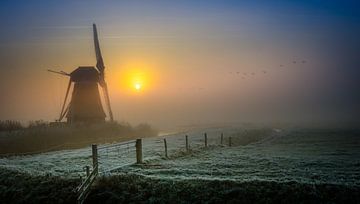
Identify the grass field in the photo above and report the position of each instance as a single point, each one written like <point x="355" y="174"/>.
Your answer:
<point x="263" y="165"/>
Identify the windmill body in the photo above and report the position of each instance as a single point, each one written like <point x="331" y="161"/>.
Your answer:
<point x="85" y="103"/>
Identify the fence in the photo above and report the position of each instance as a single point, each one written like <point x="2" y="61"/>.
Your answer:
<point x="84" y="189"/>
<point x="98" y="154"/>
<point x="198" y="142"/>
<point x="103" y="157"/>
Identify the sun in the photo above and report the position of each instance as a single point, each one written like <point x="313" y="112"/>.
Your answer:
<point x="135" y="77"/>
<point x="137" y="86"/>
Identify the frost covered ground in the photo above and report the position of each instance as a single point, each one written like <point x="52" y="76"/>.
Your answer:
<point x="301" y="155"/>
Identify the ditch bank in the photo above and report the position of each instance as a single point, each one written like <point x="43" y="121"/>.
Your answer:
<point x="16" y="187"/>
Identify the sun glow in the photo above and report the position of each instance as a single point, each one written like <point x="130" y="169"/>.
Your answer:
<point x="137" y="86"/>
<point x="135" y="77"/>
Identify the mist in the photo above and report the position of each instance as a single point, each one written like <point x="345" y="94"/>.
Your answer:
<point x="201" y="63"/>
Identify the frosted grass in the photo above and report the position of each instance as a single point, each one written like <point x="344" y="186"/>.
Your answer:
<point x="292" y="155"/>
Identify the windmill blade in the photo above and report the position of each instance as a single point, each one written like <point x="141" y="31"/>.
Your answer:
<point x="64" y="113"/>
<point x="100" y="66"/>
<point x="99" y="60"/>
<point x="56" y="72"/>
<point x="66" y="96"/>
<point x="65" y="73"/>
<point x="107" y="100"/>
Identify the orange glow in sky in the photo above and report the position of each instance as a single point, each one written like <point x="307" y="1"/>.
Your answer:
<point x="135" y="76"/>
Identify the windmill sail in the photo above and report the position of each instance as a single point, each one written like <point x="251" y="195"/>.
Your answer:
<point x="100" y="66"/>
<point x="99" y="60"/>
<point x="66" y="96"/>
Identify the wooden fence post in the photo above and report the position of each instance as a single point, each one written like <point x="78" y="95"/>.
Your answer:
<point x="205" y="135"/>
<point x="94" y="156"/>
<point x="166" y="154"/>
<point x="222" y="139"/>
<point x="187" y="143"/>
<point x="229" y="141"/>
<point x="87" y="169"/>
<point x="138" y="146"/>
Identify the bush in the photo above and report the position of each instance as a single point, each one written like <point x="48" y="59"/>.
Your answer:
<point x="10" y="125"/>
<point x="38" y="124"/>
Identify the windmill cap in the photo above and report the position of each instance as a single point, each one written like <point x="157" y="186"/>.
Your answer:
<point x="86" y="73"/>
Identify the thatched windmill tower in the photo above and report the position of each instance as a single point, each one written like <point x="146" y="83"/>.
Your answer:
<point x="85" y="103"/>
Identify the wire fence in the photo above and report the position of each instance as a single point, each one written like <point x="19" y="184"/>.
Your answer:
<point x="171" y="146"/>
<point x="114" y="156"/>
<point x="107" y="158"/>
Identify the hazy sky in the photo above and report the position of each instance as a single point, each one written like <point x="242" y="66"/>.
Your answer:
<point x="194" y="59"/>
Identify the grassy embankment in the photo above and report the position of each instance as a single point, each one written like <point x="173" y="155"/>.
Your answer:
<point x="42" y="137"/>
<point x="22" y="188"/>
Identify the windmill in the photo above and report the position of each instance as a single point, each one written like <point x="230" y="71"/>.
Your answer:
<point x="85" y="103"/>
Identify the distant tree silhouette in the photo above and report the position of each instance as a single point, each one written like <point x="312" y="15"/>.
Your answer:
<point x="10" y="125"/>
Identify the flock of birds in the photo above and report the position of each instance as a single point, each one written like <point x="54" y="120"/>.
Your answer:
<point x="251" y="74"/>
<point x="244" y="75"/>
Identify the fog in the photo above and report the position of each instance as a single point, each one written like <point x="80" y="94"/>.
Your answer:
<point x="199" y="63"/>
